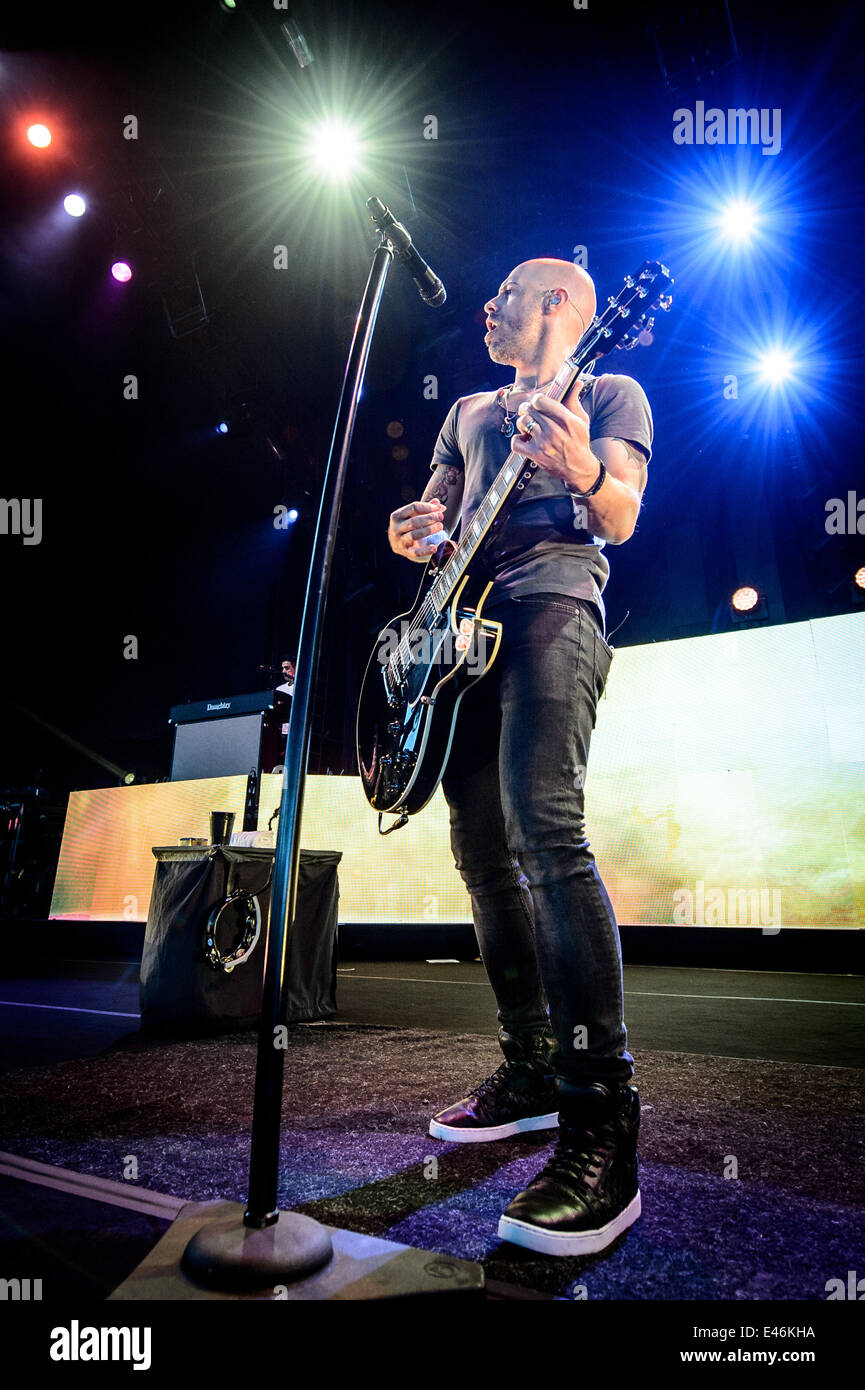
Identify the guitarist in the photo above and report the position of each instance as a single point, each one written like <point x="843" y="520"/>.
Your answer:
<point x="514" y="781"/>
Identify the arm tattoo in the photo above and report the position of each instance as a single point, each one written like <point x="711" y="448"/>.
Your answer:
<point x="640" y="460"/>
<point x="440" y="486"/>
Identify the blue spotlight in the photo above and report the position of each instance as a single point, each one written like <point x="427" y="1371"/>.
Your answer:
<point x="776" y="366"/>
<point x="222" y="427"/>
<point x="74" y="205"/>
<point x="739" y="220"/>
<point x="292" y="515"/>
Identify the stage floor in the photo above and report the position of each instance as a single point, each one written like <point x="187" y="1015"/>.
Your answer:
<point x="765" y="1068"/>
<point x="56" y="1010"/>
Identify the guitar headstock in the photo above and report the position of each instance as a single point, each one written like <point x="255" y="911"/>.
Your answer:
<point x="627" y="315"/>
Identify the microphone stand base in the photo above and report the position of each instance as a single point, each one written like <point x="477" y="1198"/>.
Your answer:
<point x="234" y="1260"/>
<point x="228" y="1255"/>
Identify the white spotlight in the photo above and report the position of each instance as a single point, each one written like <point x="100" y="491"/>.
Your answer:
<point x="335" y="147"/>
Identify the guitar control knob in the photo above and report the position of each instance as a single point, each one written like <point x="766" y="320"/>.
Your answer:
<point x="394" y="728"/>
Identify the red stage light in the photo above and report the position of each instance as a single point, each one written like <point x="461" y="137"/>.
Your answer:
<point x="39" y="135"/>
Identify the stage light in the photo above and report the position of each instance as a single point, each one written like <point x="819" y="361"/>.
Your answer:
<point x="292" y="515"/>
<point x="74" y="205"/>
<point x="39" y="135"/>
<point x="121" y="271"/>
<point x="222" y="427"/>
<point x="739" y="220"/>
<point x="782" y="374"/>
<point x="745" y="599"/>
<point x="748" y="605"/>
<point x="856" y="585"/>
<point x="335" y="148"/>
<point x="776" y="366"/>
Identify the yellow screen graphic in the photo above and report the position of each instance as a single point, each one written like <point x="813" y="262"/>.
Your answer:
<point x="725" y="788"/>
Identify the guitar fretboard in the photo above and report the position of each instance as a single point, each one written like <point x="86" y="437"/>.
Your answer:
<point x="615" y="327"/>
<point x="514" y="471"/>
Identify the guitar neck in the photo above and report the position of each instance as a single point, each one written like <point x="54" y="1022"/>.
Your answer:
<point x="618" y="326"/>
<point x="510" y="480"/>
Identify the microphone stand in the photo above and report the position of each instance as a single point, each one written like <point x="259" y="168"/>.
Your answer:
<point x="269" y="1245"/>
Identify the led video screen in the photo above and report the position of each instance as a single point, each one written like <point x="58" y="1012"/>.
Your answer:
<point x="725" y="788"/>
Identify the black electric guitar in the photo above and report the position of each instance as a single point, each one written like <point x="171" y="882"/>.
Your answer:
<point x="426" y="659"/>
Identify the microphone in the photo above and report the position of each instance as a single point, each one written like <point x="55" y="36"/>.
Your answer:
<point x="431" y="289"/>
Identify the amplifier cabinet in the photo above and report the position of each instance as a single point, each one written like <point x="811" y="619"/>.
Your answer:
<point x="224" y="747"/>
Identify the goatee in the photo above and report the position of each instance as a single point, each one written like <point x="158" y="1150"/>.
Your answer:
<point x="500" y="350"/>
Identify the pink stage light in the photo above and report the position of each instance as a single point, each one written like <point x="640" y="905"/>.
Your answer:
<point x="121" y="271"/>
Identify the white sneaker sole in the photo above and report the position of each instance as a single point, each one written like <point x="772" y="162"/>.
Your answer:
<point x="458" y="1134"/>
<point x="568" y="1242"/>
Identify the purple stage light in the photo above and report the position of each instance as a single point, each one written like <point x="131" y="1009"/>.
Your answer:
<point x="121" y="271"/>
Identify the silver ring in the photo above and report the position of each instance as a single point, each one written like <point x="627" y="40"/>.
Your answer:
<point x="528" y="425"/>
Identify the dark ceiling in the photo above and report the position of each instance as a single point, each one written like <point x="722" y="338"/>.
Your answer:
<point x="554" y="131"/>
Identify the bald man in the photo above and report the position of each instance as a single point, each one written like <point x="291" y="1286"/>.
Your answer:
<point x="514" y="780"/>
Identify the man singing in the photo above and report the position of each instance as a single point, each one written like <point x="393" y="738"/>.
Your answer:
<point x="514" y="782"/>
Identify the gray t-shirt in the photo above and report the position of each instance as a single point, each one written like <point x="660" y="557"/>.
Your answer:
<point x="538" y="549"/>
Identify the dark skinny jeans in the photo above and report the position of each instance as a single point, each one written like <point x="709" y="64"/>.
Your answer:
<point x="514" y="785"/>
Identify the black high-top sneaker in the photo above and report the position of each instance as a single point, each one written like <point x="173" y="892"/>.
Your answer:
<point x="519" y="1096"/>
<point x="587" y="1194"/>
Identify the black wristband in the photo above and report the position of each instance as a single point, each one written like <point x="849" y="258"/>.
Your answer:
<point x="592" y="490"/>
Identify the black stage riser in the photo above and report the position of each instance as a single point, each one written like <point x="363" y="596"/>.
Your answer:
<point x="821" y="950"/>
